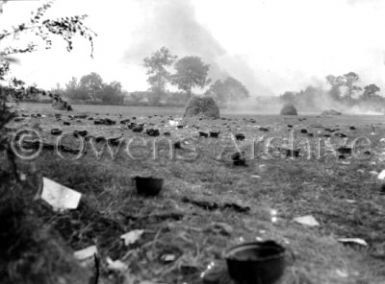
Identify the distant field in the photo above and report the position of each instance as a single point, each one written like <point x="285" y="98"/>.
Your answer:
<point x="178" y="112"/>
<point x="106" y="109"/>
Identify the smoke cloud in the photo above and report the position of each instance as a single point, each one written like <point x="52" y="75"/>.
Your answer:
<point x="173" y="24"/>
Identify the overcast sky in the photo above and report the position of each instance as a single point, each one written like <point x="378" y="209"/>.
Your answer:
<point x="269" y="45"/>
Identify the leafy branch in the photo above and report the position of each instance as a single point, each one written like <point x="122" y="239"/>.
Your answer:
<point x="65" y="28"/>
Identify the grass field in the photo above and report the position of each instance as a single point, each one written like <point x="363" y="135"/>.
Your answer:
<point x="208" y="204"/>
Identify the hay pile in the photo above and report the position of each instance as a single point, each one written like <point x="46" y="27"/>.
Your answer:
<point x="201" y="106"/>
<point x="289" y="109"/>
<point x="331" y="112"/>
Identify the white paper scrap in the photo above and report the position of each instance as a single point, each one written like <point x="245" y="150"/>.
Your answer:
<point x="59" y="196"/>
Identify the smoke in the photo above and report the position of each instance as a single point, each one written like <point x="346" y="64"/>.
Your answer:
<point x="172" y="23"/>
<point x="317" y="98"/>
<point x="355" y="2"/>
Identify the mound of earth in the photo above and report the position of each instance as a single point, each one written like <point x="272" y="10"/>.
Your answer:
<point x="59" y="104"/>
<point x="202" y="106"/>
<point x="331" y="112"/>
<point x="289" y="109"/>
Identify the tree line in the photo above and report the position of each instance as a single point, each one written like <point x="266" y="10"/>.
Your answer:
<point x="346" y="89"/>
<point x="165" y="71"/>
<point x="91" y="88"/>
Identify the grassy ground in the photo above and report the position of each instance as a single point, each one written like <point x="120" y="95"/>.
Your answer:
<point x="208" y="204"/>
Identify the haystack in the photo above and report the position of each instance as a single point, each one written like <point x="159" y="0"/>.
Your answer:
<point x="201" y="106"/>
<point x="289" y="109"/>
<point x="331" y="112"/>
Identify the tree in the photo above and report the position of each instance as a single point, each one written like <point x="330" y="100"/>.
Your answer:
<point x="74" y="92"/>
<point x="73" y="84"/>
<point x="157" y="72"/>
<point x="348" y="82"/>
<point x="229" y="90"/>
<point x="335" y="83"/>
<point x="92" y="85"/>
<point x="92" y="88"/>
<point x="112" y="93"/>
<point x="351" y="79"/>
<point x="370" y="91"/>
<point x="191" y="72"/>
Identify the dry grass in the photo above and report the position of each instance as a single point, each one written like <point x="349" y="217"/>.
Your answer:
<point x="31" y="252"/>
<point x="176" y="222"/>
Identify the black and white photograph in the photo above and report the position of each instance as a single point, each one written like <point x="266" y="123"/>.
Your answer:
<point x="192" y="142"/>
